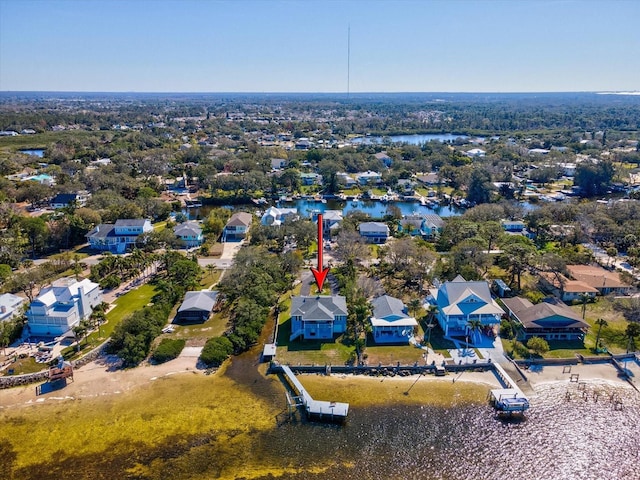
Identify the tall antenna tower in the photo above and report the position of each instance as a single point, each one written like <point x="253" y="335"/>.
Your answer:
<point x="348" y="59"/>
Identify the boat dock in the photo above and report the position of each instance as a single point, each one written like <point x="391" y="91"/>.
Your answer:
<point x="507" y="400"/>
<point x="316" y="409"/>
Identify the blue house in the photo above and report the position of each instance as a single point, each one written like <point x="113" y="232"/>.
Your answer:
<point x="319" y="317"/>
<point x="374" y="232"/>
<point x="460" y="301"/>
<point x="390" y="322"/>
<point x="237" y="227"/>
<point x="428" y="226"/>
<point x="189" y="233"/>
<point x="118" y="237"/>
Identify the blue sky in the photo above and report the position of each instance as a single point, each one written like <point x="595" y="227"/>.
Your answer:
<point x="301" y="46"/>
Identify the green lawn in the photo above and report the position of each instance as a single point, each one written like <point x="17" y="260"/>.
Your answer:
<point x="25" y="365"/>
<point x="612" y="335"/>
<point x="198" y="333"/>
<point x="125" y="305"/>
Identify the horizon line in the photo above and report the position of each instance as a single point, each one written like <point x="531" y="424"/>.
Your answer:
<point x="277" y="92"/>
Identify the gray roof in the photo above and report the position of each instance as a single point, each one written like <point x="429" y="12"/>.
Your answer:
<point x="102" y="231"/>
<point x="547" y="314"/>
<point x="386" y="306"/>
<point x="377" y="227"/>
<point x="201" y="301"/>
<point x="459" y="287"/>
<point x="130" y="222"/>
<point x="318" y="308"/>
<point x="187" y="228"/>
<point x="240" y="218"/>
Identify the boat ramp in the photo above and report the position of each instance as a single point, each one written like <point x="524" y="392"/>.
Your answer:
<point x="315" y="409"/>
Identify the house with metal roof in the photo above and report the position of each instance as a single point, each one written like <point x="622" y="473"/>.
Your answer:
<point x="237" y="227"/>
<point x="197" y="306"/>
<point x="390" y="322"/>
<point x="60" y="307"/>
<point x="277" y="216"/>
<point x="189" y="233"/>
<point x="10" y="306"/>
<point x="118" y="237"/>
<point x="460" y="301"/>
<point x="374" y="232"/>
<point x="428" y="225"/>
<point x="318" y="318"/>
<point x="550" y="319"/>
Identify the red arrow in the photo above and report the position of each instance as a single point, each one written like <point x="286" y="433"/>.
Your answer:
<point x="320" y="274"/>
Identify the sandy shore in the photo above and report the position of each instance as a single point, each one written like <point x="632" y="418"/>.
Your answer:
<point x="103" y="378"/>
<point x="99" y="378"/>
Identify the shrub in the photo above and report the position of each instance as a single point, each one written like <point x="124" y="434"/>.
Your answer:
<point x="216" y="351"/>
<point x="168" y="349"/>
<point x="538" y="345"/>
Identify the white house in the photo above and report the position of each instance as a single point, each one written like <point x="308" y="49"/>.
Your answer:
<point x="10" y="306"/>
<point x="277" y="216"/>
<point x="61" y="306"/>
<point x="368" y="178"/>
<point x="390" y="322"/>
<point x="116" y="238"/>
<point x="319" y="317"/>
<point x="460" y="301"/>
<point x="475" y="153"/>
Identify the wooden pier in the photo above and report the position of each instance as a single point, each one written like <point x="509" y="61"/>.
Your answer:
<point x="315" y="409"/>
<point x="508" y="400"/>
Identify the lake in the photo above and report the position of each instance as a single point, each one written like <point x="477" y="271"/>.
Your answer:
<point x="415" y="139"/>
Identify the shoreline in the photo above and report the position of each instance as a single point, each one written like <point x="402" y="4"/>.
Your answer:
<point x="102" y="378"/>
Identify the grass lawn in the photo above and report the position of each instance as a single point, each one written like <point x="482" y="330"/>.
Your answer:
<point x="25" y="365"/>
<point x="198" y="333"/>
<point x="160" y="226"/>
<point x="392" y="354"/>
<point x="209" y="279"/>
<point x="125" y="305"/>
<point x="612" y="335"/>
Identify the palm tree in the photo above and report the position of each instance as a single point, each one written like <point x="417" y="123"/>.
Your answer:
<point x="414" y="305"/>
<point x="473" y="326"/>
<point x="601" y="322"/>
<point x="584" y="298"/>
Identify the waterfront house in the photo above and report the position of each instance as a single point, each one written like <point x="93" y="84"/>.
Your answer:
<point x="374" y="232"/>
<point x="277" y="216"/>
<point x="345" y="179"/>
<point x="565" y="289"/>
<point x="10" y="306"/>
<point x="428" y="226"/>
<point x="430" y="179"/>
<point x="197" y="306"/>
<point x="390" y="322"/>
<point x="550" y="319"/>
<point x="310" y="178"/>
<point x="368" y="178"/>
<point x="318" y="318"/>
<point x="189" y="233"/>
<point x="459" y="301"/>
<point x="331" y="220"/>
<point x="118" y="237"/>
<point x="61" y="306"/>
<point x="603" y="280"/>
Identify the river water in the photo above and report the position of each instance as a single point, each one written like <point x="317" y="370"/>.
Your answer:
<point x="459" y="437"/>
